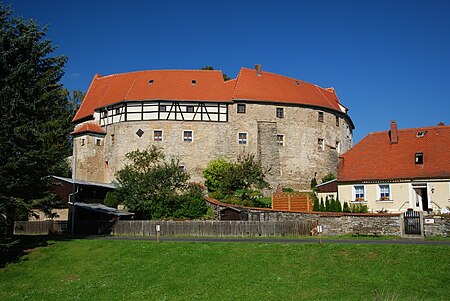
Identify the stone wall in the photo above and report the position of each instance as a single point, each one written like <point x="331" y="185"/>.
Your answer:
<point x="437" y="225"/>
<point x="292" y="165"/>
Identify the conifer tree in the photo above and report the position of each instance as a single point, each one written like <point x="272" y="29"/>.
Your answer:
<point x="338" y="205"/>
<point x="322" y="206"/>
<point x="332" y="205"/>
<point x="35" y="117"/>
<point x="327" y="204"/>
<point x="316" y="206"/>
<point x="346" y="208"/>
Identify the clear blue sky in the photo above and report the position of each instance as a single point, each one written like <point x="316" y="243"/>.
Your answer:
<point x="386" y="59"/>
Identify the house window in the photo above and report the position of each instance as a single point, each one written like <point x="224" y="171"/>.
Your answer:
<point x="385" y="193"/>
<point x="337" y="120"/>
<point x="117" y="111"/>
<point x="320" y="118"/>
<point x="280" y="112"/>
<point x="105" y="114"/>
<point x="359" y="193"/>
<point x="320" y="144"/>
<point x="162" y="109"/>
<point x="158" y="135"/>
<point x="242" y="138"/>
<point x="188" y="136"/>
<point x="190" y="109"/>
<point x="280" y="140"/>
<point x="419" y="158"/>
<point x="241" y="108"/>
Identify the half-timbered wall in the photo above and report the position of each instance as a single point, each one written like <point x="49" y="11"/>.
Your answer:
<point x="164" y="110"/>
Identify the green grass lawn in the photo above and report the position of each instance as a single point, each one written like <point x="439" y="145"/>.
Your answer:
<point x="146" y="270"/>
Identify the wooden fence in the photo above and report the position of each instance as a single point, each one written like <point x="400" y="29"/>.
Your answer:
<point x="40" y="227"/>
<point x="213" y="228"/>
<point x="292" y="201"/>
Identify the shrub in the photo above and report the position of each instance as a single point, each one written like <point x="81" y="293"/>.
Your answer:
<point x="321" y="206"/>
<point x="346" y="208"/>
<point x="111" y="199"/>
<point x="316" y="206"/>
<point x="338" y="205"/>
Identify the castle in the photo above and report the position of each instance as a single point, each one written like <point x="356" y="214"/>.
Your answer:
<point x="295" y="128"/>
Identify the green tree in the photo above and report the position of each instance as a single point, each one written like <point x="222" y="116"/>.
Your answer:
<point x="321" y="206"/>
<point x="338" y="205"/>
<point x="328" y="177"/>
<point x="313" y="184"/>
<point x="237" y="182"/>
<point x="225" y="77"/>
<point x="35" y="117"/>
<point x="153" y="187"/>
<point x="327" y="204"/>
<point x="332" y="205"/>
<point x="316" y="206"/>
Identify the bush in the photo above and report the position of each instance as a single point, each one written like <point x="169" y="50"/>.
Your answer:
<point x="338" y="205"/>
<point x="111" y="200"/>
<point x="359" y="208"/>
<point x="316" y="206"/>
<point x="287" y="189"/>
<point x="321" y="206"/>
<point x="346" y="208"/>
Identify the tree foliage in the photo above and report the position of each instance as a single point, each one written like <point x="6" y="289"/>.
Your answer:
<point x="35" y="117"/>
<point x="328" y="177"/>
<point x="225" y="77"/>
<point x="153" y="187"/>
<point x="237" y="182"/>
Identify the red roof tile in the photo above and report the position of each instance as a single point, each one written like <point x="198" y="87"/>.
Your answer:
<point x="89" y="128"/>
<point x="273" y="87"/>
<point x="155" y="85"/>
<point x="209" y="86"/>
<point x="375" y="159"/>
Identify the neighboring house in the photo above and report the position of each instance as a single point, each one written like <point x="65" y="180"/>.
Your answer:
<point x="398" y="170"/>
<point x="328" y="189"/>
<point x="297" y="129"/>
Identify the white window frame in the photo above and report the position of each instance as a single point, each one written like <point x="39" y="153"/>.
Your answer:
<point x="355" y="200"/>
<point x="162" y="136"/>
<point x="379" y="193"/>
<point x="243" y="141"/>
<point x="184" y="138"/>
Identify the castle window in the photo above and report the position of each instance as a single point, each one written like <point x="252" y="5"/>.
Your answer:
<point x="181" y="167"/>
<point x="158" y="135"/>
<point x="190" y="109"/>
<point x="280" y="112"/>
<point x="280" y="140"/>
<point x="242" y="138"/>
<point x="82" y="141"/>
<point x="241" y="108"/>
<point x="98" y="142"/>
<point x="188" y="136"/>
<point x="337" y="120"/>
<point x="320" y="118"/>
<point x="194" y="82"/>
<point x="112" y="138"/>
<point x="419" y="158"/>
<point x="320" y="144"/>
<point x="162" y="109"/>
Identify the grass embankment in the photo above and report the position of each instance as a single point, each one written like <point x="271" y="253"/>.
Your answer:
<point x="144" y="270"/>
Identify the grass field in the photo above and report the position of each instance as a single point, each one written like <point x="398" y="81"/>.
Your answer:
<point x="144" y="270"/>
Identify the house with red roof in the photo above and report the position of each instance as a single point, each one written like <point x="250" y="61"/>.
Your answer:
<point x="397" y="170"/>
<point x="295" y="128"/>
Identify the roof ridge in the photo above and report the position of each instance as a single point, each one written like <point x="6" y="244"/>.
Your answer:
<point x="156" y="70"/>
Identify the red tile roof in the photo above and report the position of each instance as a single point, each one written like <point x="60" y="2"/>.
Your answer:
<point x="375" y="159"/>
<point x="155" y="85"/>
<point x="271" y="87"/>
<point x="209" y="86"/>
<point x="89" y="128"/>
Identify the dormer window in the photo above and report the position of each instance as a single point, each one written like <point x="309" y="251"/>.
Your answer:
<point x="150" y="82"/>
<point x="419" y="158"/>
<point x="194" y="82"/>
<point x="297" y="83"/>
<point x="420" y="134"/>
